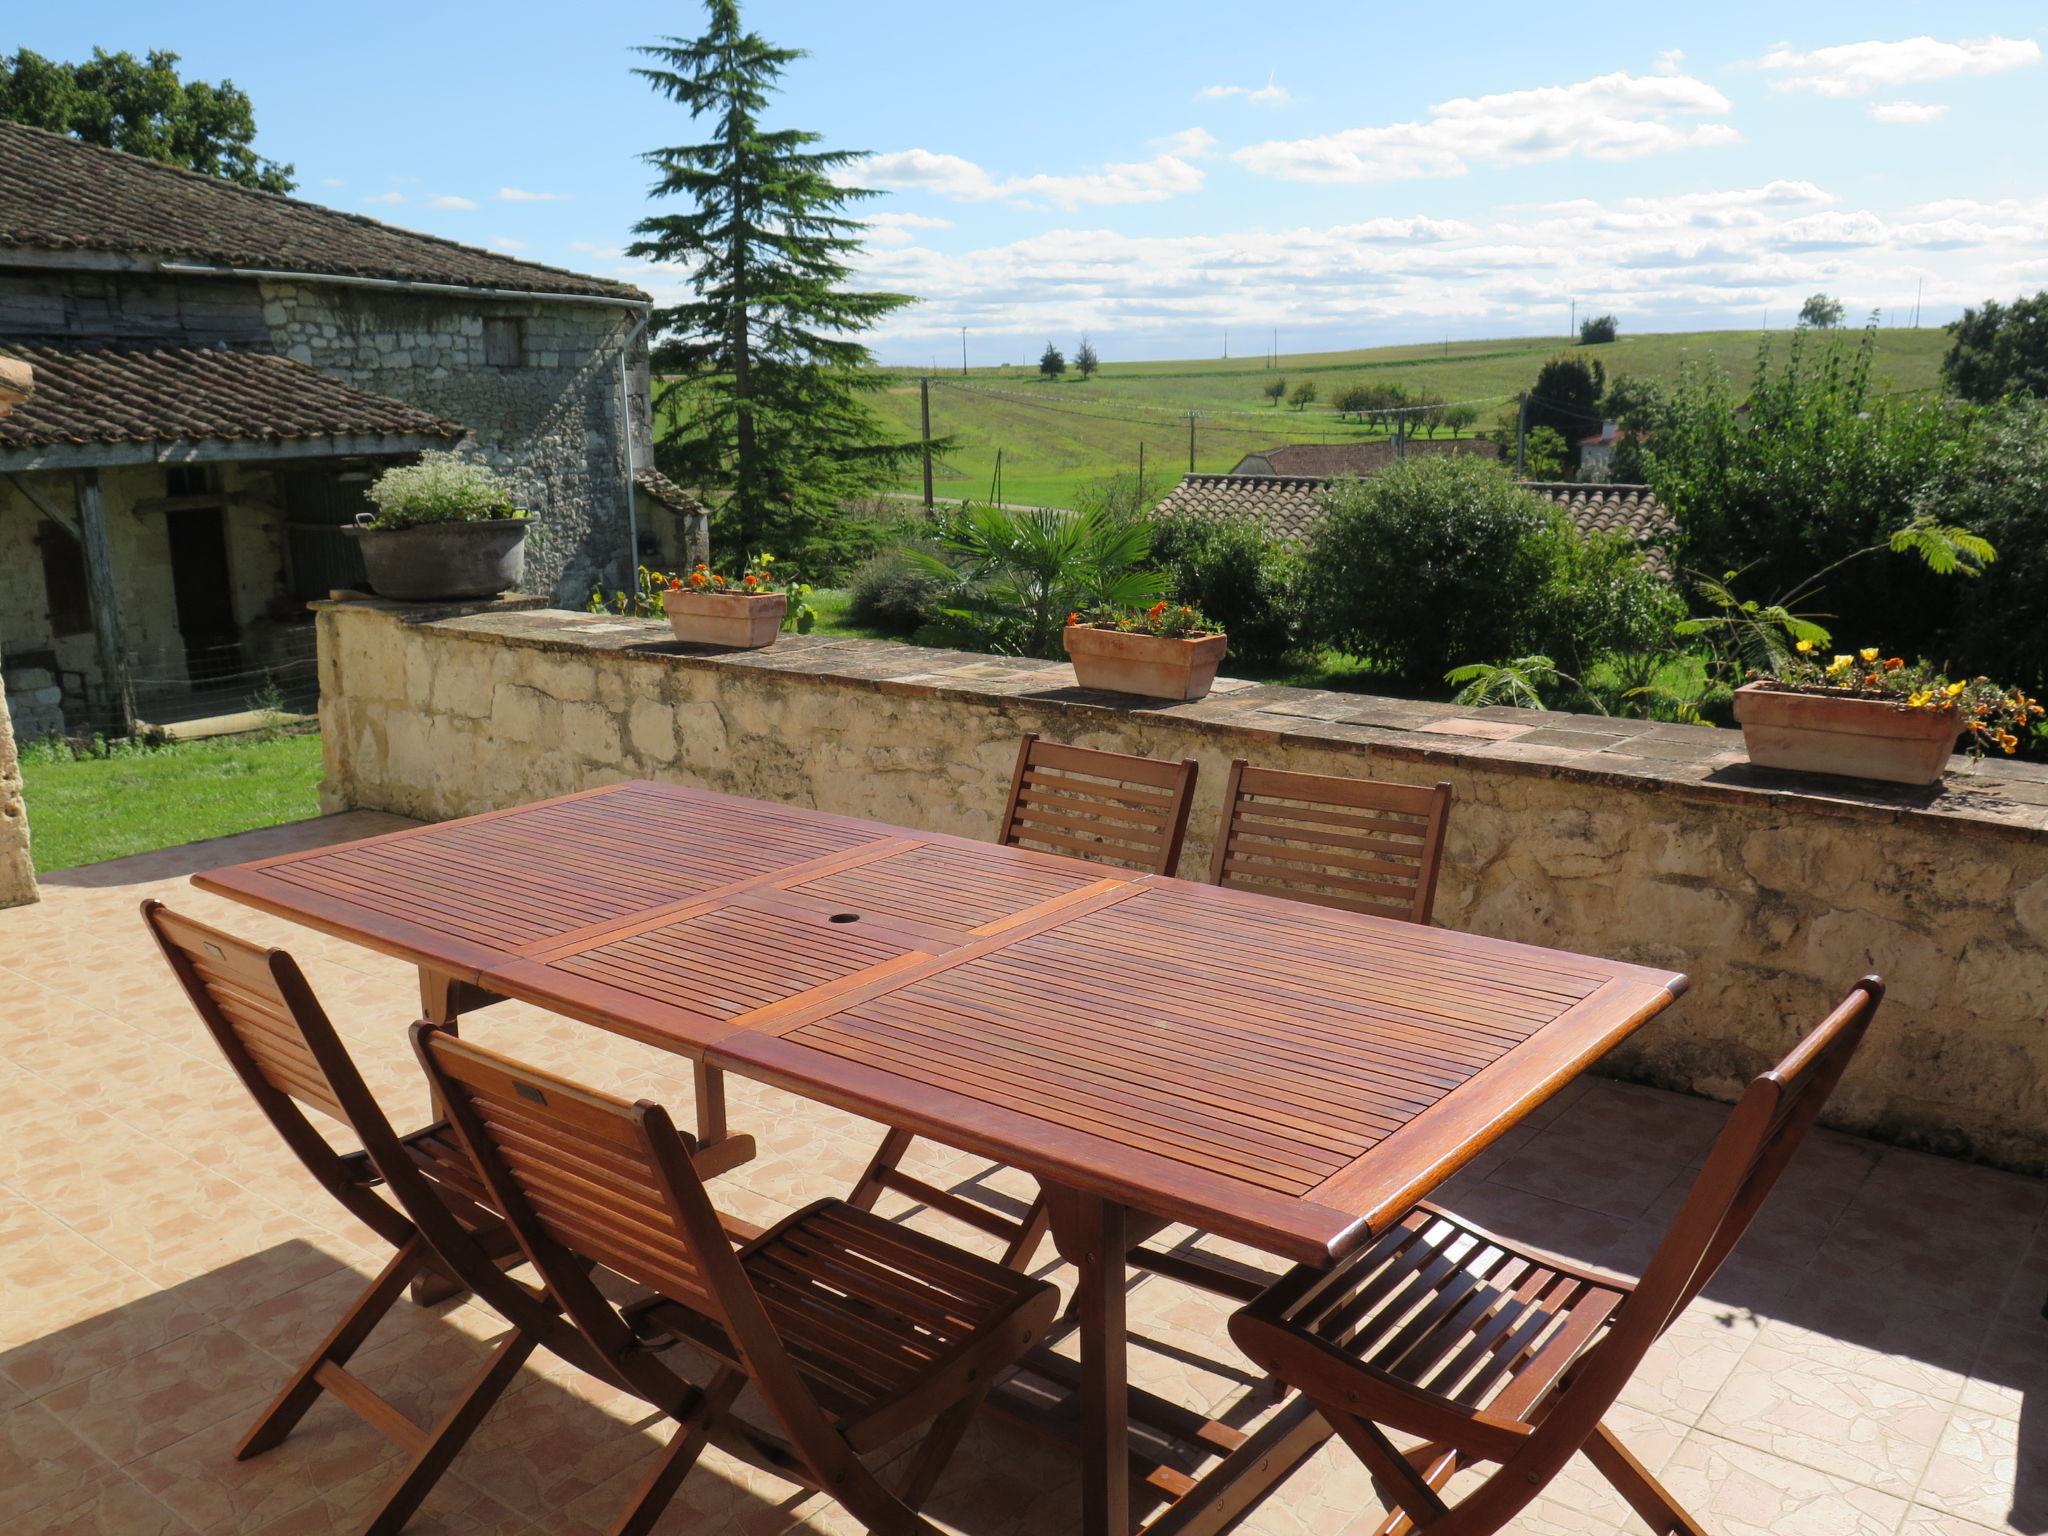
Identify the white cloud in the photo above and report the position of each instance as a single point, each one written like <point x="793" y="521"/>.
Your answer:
<point x="332" y="181"/>
<point x="514" y="195"/>
<point x="1717" y="257"/>
<point x="1670" y="62"/>
<point x="385" y="197"/>
<point x="1167" y="174"/>
<point x="1270" y="92"/>
<point x="1909" y="111"/>
<point x="900" y="228"/>
<point x="1610" y="117"/>
<point x="1856" y="69"/>
<point x="506" y="243"/>
<point x="449" y="200"/>
<point x="593" y="248"/>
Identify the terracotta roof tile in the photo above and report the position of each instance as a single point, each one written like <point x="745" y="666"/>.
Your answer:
<point x="666" y="491"/>
<point x="1327" y="460"/>
<point x="1289" y="506"/>
<point x="103" y="393"/>
<point x="58" y="194"/>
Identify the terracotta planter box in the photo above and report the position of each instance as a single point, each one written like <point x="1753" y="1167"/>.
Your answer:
<point x="1152" y="665"/>
<point x="1836" y="733"/>
<point x="735" y="619"/>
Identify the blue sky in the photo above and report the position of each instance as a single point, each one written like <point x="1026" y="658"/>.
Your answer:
<point x="1154" y="172"/>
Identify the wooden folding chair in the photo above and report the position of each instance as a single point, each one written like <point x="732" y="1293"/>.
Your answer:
<point x="853" y="1330"/>
<point x="261" y="1013"/>
<point x="1496" y="1354"/>
<point x="1110" y="807"/>
<point x="1359" y="844"/>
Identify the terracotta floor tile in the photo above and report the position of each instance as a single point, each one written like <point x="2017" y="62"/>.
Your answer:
<point x="1735" y="1490"/>
<point x="1977" y="1472"/>
<point x="114" y="1506"/>
<point x="41" y="1461"/>
<point x="158" y="1398"/>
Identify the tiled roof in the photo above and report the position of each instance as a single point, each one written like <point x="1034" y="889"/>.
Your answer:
<point x="666" y="491"/>
<point x="1629" y="509"/>
<point x="100" y="393"/>
<point x="1326" y="460"/>
<point x="1286" y="506"/>
<point x="1289" y="506"/>
<point x="59" y="194"/>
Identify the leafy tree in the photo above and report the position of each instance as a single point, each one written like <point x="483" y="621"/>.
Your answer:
<point x="1821" y="312"/>
<point x="1566" y="399"/>
<point x="1999" y="350"/>
<point x="1085" y="360"/>
<point x="1275" y="392"/>
<point x="1459" y="417"/>
<point x="1637" y="407"/>
<point x="1428" y="414"/>
<point x="1600" y="329"/>
<point x="140" y="106"/>
<point x="1302" y="395"/>
<point x="1808" y="467"/>
<point x="766" y="383"/>
<point x="1015" y="575"/>
<point x="1544" y="453"/>
<point x="2001" y="629"/>
<point x="1052" y="362"/>
<point x="1238" y="575"/>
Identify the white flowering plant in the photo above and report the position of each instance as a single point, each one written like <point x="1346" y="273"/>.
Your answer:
<point x="441" y="488"/>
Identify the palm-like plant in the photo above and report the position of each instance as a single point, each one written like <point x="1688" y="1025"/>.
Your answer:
<point x="1016" y="575"/>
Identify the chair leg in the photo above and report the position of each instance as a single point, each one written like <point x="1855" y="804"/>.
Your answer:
<point x="868" y="1188"/>
<point x="356" y="1325"/>
<point x="680" y="1455"/>
<point x="447" y="1437"/>
<point x="928" y="1461"/>
<point x="1024" y="1246"/>
<point x="1645" y="1495"/>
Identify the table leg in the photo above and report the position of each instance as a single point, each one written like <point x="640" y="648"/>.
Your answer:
<point x="445" y="998"/>
<point x="1093" y="1234"/>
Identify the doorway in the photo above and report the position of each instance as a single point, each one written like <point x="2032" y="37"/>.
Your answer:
<point x="203" y="590"/>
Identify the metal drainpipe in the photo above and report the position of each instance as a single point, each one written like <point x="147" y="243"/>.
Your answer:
<point x="626" y="444"/>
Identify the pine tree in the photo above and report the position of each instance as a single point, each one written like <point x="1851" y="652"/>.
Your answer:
<point x="1052" y="362"/>
<point x="1085" y="360"/>
<point x="763" y="399"/>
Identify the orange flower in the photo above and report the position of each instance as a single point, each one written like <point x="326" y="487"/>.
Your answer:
<point x="1157" y="608"/>
<point x="1073" y="618"/>
<point x="1894" y="663"/>
<point x="675" y="584"/>
<point x="753" y="581"/>
<point x="697" y="577"/>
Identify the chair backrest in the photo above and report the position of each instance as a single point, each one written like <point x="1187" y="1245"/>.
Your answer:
<point x="257" y="1006"/>
<point x="583" y="1176"/>
<point x="1107" y="806"/>
<point x="1359" y="844"/>
<point x="263" y="1015"/>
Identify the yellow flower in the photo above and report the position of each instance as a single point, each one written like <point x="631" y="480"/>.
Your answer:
<point x="1841" y="664"/>
<point x="1868" y="654"/>
<point x="1804" y="645"/>
<point x="1920" y="700"/>
<point x="1954" y="688"/>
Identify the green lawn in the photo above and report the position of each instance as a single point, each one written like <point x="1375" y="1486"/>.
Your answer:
<point x="90" y="809"/>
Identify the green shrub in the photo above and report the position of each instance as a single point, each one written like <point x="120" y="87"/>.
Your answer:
<point x="1237" y="574"/>
<point x="896" y="593"/>
<point x="2002" y="616"/>
<point x="441" y="488"/>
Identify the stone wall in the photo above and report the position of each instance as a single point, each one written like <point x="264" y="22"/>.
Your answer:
<point x="551" y="423"/>
<point x="17" y="872"/>
<point x="1648" y="843"/>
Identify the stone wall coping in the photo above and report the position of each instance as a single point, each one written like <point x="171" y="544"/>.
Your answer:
<point x="2003" y="800"/>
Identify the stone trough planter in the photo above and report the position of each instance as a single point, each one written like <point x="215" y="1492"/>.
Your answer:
<point x="437" y="562"/>
<point x="736" y="619"/>
<point x="1154" y="666"/>
<point x="1858" y="738"/>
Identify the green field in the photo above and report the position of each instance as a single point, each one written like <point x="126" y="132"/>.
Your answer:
<point x="87" y="809"/>
<point x="1056" y="438"/>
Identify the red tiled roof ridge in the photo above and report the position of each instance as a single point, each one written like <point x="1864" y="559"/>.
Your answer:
<point x="43" y="139"/>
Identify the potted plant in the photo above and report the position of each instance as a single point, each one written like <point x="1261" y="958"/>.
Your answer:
<point x="1167" y="651"/>
<point x="1869" y="716"/>
<point x="744" y="611"/>
<point x="444" y="528"/>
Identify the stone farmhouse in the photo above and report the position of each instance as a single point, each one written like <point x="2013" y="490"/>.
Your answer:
<point x="220" y="374"/>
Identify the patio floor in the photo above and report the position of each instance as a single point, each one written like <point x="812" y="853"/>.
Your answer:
<point x="1872" y="1361"/>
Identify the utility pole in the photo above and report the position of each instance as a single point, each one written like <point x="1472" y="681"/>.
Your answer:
<point x="1522" y="437"/>
<point x="1141" y="461"/>
<point x="1919" y="289"/>
<point x="1191" y="442"/>
<point x="924" y="411"/>
<point x="1226" y="343"/>
<point x="1575" y="320"/>
<point x="1274" y="356"/>
<point x="995" y="485"/>
<point x="963" y="351"/>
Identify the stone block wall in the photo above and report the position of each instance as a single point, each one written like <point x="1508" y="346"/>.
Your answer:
<point x="1643" y="842"/>
<point x="17" y="872"/>
<point x="551" y="423"/>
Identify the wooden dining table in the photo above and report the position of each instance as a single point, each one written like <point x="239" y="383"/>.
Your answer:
<point x="1152" y="1050"/>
